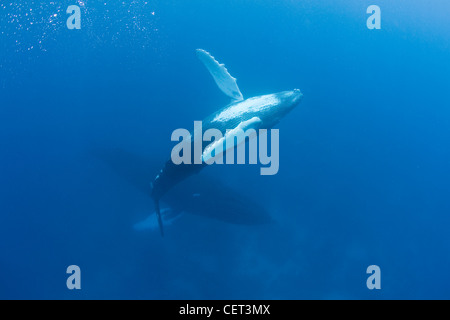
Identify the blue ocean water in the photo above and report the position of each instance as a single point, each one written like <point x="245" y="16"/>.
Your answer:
<point x="85" y="123"/>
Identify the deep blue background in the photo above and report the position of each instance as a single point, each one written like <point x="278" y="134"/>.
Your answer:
<point x="364" y="173"/>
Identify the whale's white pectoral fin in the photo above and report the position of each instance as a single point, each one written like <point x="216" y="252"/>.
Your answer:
<point x="232" y="138"/>
<point x="223" y="79"/>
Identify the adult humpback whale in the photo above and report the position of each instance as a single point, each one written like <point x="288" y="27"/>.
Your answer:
<point x="202" y="195"/>
<point x="262" y="112"/>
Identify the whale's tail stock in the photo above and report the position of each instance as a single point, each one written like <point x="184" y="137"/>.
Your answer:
<point x="158" y="215"/>
<point x="156" y="196"/>
<point x="169" y="176"/>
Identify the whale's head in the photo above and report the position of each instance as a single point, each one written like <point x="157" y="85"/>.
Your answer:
<point x="290" y="99"/>
<point x="285" y="102"/>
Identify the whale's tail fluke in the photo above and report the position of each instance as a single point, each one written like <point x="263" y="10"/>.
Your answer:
<point x="168" y="177"/>
<point x="158" y="215"/>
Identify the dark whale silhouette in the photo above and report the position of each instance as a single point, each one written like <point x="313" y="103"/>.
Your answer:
<point x="202" y="195"/>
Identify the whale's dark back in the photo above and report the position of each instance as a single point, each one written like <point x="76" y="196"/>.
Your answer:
<point x="170" y="175"/>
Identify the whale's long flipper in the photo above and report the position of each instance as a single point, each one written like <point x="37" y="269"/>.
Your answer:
<point x="232" y="139"/>
<point x="223" y="79"/>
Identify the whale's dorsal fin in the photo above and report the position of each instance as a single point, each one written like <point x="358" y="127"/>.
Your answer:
<point x="223" y="79"/>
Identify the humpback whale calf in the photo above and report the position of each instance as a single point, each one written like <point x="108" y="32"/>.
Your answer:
<point x="261" y="112"/>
